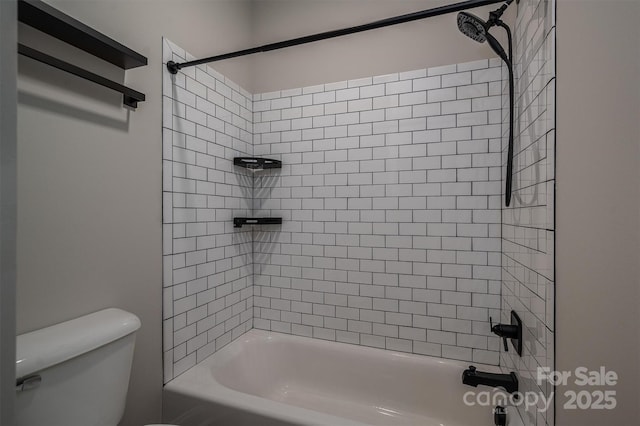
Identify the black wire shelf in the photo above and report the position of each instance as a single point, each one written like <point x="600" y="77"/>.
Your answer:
<point x="239" y="221"/>
<point x="255" y="163"/>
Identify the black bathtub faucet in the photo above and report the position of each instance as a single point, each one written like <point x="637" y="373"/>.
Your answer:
<point x="474" y="378"/>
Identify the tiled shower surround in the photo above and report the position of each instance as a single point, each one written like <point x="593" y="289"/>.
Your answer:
<point x="390" y="199"/>
<point x="528" y="228"/>
<point x="208" y="266"/>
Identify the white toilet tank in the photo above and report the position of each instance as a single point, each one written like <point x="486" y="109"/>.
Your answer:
<point x="76" y="373"/>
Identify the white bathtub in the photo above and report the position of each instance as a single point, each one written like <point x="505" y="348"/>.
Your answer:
<point x="266" y="378"/>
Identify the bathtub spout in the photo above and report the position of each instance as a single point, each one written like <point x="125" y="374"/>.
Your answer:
<point x="474" y="378"/>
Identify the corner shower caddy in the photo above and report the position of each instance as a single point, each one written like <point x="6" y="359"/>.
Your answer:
<point x="256" y="164"/>
<point x="50" y="20"/>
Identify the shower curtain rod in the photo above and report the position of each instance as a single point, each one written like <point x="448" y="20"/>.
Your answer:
<point x="174" y="67"/>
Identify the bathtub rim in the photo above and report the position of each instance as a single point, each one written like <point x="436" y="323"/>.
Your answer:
<point x="199" y="382"/>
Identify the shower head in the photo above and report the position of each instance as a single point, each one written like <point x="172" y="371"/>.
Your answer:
<point x="478" y="30"/>
<point x="472" y="26"/>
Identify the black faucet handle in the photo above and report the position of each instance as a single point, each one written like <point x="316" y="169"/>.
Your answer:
<point x="498" y="329"/>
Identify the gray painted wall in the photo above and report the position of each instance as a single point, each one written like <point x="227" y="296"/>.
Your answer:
<point x="598" y="201"/>
<point x="89" y="173"/>
<point x="410" y="46"/>
<point x="7" y="208"/>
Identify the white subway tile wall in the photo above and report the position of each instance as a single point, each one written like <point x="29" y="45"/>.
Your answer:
<point x="390" y="198"/>
<point x="390" y="195"/>
<point x="208" y="265"/>
<point x="528" y="228"/>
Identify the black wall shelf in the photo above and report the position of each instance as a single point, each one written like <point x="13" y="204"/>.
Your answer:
<point x="239" y="221"/>
<point x="130" y="97"/>
<point x="255" y="163"/>
<point x="49" y="20"/>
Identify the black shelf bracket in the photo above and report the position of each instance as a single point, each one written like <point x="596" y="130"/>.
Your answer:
<point x="130" y="97"/>
<point x="255" y="163"/>
<point x="239" y="221"/>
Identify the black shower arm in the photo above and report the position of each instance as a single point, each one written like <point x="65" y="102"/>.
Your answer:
<point x="494" y="17"/>
<point x="494" y="20"/>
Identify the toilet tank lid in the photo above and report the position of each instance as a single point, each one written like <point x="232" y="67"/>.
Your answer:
<point x="52" y="345"/>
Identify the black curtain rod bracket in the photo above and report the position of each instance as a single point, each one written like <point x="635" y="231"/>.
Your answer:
<point x="174" y="67"/>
